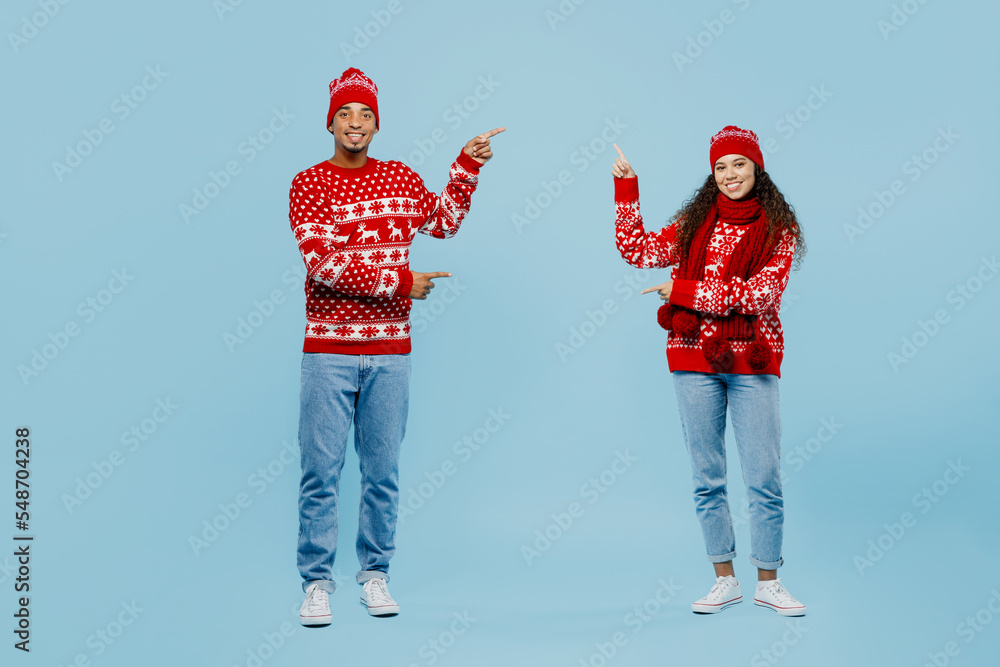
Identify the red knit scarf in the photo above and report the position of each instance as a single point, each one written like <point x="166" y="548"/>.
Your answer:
<point x="751" y="254"/>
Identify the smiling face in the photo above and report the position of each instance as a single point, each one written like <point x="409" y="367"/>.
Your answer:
<point x="735" y="175"/>
<point x="353" y="128"/>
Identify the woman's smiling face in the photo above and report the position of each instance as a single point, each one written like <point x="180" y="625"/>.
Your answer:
<point x="735" y="175"/>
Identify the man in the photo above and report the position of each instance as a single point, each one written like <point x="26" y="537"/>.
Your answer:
<point x="354" y="218"/>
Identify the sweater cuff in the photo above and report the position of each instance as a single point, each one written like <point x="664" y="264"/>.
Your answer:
<point x="682" y="293"/>
<point x="627" y="189"/>
<point x="468" y="163"/>
<point x="405" y="283"/>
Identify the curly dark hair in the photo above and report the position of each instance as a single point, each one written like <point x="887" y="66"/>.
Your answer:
<point x="780" y="214"/>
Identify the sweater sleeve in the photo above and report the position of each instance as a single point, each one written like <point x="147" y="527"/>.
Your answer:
<point x="754" y="296"/>
<point x="641" y="249"/>
<point x="444" y="213"/>
<point x="322" y="243"/>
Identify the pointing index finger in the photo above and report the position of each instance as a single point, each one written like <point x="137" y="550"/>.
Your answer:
<point x="620" y="154"/>
<point x="486" y="135"/>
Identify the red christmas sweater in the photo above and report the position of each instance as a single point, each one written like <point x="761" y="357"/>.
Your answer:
<point x="354" y="228"/>
<point x="760" y="295"/>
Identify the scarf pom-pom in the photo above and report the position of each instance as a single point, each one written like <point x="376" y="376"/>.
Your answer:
<point x="758" y="356"/>
<point x="686" y="324"/>
<point x="718" y="352"/>
<point x="665" y="315"/>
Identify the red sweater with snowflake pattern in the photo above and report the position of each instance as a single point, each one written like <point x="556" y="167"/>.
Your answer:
<point x="354" y="228"/>
<point x="760" y="295"/>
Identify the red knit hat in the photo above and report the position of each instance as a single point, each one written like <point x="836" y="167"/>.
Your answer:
<point x="352" y="86"/>
<point x="733" y="140"/>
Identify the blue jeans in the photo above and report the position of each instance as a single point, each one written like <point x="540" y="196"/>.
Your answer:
<point x="372" y="391"/>
<point x="702" y="399"/>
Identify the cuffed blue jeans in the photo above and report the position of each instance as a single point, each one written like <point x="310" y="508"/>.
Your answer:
<point x="372" y="391"/>
<point x="752" y="400"/>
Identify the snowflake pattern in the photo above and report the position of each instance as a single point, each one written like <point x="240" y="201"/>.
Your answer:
<point x="353" y="291"/>
<point x="760" y="295"/>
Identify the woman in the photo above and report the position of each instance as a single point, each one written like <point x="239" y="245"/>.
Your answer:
<point x="731" y="247"/>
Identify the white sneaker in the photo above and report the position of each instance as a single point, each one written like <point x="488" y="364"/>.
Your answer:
<point x="725" y="593"/>
<point x="772" y="595"/>
<point x="316" y="607"/>
<point x="375" y="597"/>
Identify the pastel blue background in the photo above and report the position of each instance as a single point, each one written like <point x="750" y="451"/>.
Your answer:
<point x="555" y="86"/>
